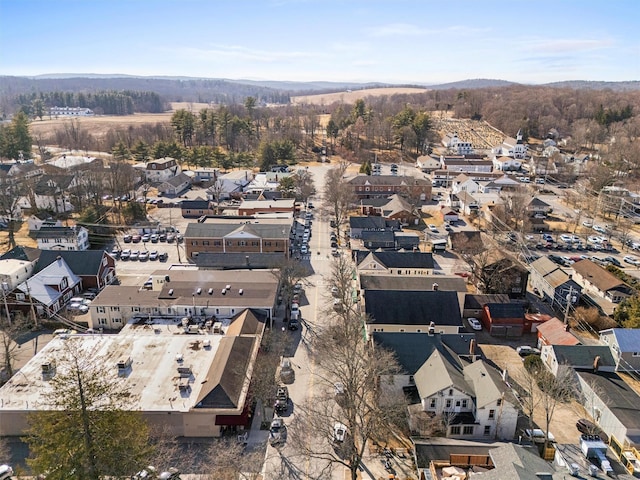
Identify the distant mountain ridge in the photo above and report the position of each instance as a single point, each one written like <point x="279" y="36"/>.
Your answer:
<point x="225" y="91"/>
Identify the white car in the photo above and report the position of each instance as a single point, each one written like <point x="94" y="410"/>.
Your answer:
<point x="566" y="238"/>
<point x="295" y="307"/>
<point x="599" y="229"/>
<point x="339" y="432"/>
<point x="304" y="249"/>
<point x="587" y="223"/>
<point x="595" y="239"/>
<point x="433" y="228"/>
<point x="475" y="323"/>
<point x="276" y="431"/>
<point x="631" y="259"/>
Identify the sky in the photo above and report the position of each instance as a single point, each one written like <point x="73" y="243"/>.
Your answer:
<point x="391" y="41"/>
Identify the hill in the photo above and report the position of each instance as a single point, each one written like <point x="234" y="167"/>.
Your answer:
<point x="595" y="85"/>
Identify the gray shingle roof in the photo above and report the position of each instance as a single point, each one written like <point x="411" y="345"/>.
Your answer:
<point x="81" y="263"/>
<point x="401" y="307"/>
<point x="385" y="282"/>
<point x="232" y="261"/>
<point x="517" y="462"/>
<point x="404" y="259"/>
<point x="218" y="230"/>
<point x="368" y="223"/>
<point x="583" y="355"/>
<point x="439" y="373"/>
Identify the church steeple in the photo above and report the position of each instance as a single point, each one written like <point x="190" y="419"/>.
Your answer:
<point x="519" y="137"/>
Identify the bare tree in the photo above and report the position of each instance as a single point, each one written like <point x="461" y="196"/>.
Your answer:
<point x="305" y="187"/>
<point x="338" y="194"/>
<point x="8" y="342"/>
<point x="289" y="272"/>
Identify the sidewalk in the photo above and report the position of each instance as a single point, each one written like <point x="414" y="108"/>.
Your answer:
<point x="257" y="438"/>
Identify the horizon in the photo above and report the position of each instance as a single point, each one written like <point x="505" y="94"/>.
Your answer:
<point x="404" y="42"/>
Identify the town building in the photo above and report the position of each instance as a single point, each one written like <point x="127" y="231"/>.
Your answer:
<point x="398" y="264"/>
<point x="13" y="272"/>
<point x="372" y="186"/>
<point x="625" y="347"/>
<point x="197" y="294"/>
<point x="175" y="185"/>
<point x="257" y="207"/>
<point x="70" y="112"/>
<point x="553" y="284"/>
<point x="96" y="268"/>
<point x="457" y="145"/>
<point x="265" y="235"/>
<point x="393" y="207"/>
<point x="555" y="332"/>
<point x="185" y="381"/>
<point x="600" y="285"/>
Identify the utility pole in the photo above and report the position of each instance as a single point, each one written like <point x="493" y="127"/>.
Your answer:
<point x="5" y="287"/>
<point x="566" y="311"/>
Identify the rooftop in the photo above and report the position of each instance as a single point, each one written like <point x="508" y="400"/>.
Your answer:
<point x="387" y="282"/>
<point x="599" y="277"/>
<point x="217" y="228"/>
<point x="410" y="307"/>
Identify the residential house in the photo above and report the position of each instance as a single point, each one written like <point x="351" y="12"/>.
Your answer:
<point x="203" y="174"/>
<point x="555" y="332"/>
<point x="503" y="319"/>
<point x="39" y="220"/>
<point x="446" y="283"/>
<point x="472" y="399"/>
<point x="371" y="186"/>
<point x="63" y="238"/>
<point x="48" y="291"/>
<point x="395" y="263"/>
<point x="266" y="181"/>
<point x="371" y="223"/>
<point x="50" y="193"/>
<point x="175" y="294"/>
<point x="457" y="145"/>
<point x="257" y="207"/>
<point x="506" y="164"/>
<point x="374" y="240"/>
<point x="412" y="311"/>
<point x="175" y="185"/>
<point x="614" y="404"/>
<point x="407" y="240"/>
<point x="393" y="207"/>
<point x="497" y="185"/>
<point x="552" y="283"/>
<point x="22" y="253"/>
<point x="542" y="166"/>
<point x="462" y="183"/>
<point x="520" y="462"/>
<point x="96" y="268"/>
<point x="498" y="272"/>
<point x="428" y="164"/>
<point x="537" y="206"/>
<point x="197" y="208"/>
<point x="595" y="357"/>
<point x="161" y="170"/>
<point x="468" y="204"/>
<point x="239" y="236"/>
<point x="625" y="347"/>
<point x="204" y="394"/>
<point x="603" y="287"/>
<point x="230" y="185"/>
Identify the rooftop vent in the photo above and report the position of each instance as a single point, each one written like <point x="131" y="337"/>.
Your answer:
<point x="211" y="291"/>
<point x="184" y="371"/>
<point x="240" y="291"/>
<point x="124" y="363"/>
<point x="224" y="291"/>
<point x="228" y="287"/>
<point x="199" y="291"/>
<point x="179" y="358"/>
<point x="171" y="291"/>
<point x="206" y="343"/>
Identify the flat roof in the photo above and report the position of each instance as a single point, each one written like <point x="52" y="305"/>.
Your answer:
<point x="153" y="378"/>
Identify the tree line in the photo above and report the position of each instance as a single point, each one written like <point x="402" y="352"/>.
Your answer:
<point x="126" y="102"/>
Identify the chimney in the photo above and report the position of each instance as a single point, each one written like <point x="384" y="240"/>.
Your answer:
<point x="596" y="363"/>
<point x="472" y="347"/>
<point x="432" y="328"/>
<point x="570" y="276"/>
<point x="567" y="327"/>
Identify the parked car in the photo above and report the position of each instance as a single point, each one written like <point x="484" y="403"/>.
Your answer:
<point x="125" y="254"/>
<point x="631" y="259"/>
<point x="304" y="250"/>
<point x="525" y="351"/>
<point x="276" y="431"/>
<point x="475" y="323"/>
<point x="171" y="238"/>
<point x="115" y="252"/>
<point x="162" y="237"/>
<point x="134" y="255"/>
<point x="282" y="399"/>
<point x="433" y="228"/>
<point x="154" y="238"/>
<point x="537" y="435"/>
<point x="162" y="256"/>
<point x="613" y="261"/>
<point x="5" y="472"/>
<point x="146" y="237"/>
<point x="77" y="308"/>
<point x="599" y="229"/>
<point x="287" y="374"/>
<point x="127" y="238"/>
<point x="153" y="255"/>
<point x="144" y="256"/>
<point x="294" y="324"/>
<point x="136" y="238"/>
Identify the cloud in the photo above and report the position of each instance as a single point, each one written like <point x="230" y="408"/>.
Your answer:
<point x="411" y="30"/>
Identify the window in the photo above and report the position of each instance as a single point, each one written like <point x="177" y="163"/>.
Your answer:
<point x="448" y="403"/>
<point x="411" y="380"/>
<point x="457" y="403"/>
<point x="194" y="243"/>
<point x="450" y="391"/>
<point x="433" y="402"/>
<point x="636" y="354"/>
<point x="468" y="430"/>
<point x="464" y="403"/>
<point x="402" y="329"/>
<point x="205" y="242"/>
<point x="487" y="430"/>
<point x="100" y="309"/>
<point x="378" y="329"/>
<point x="242" y="243"/>
<point x="254" y="244"/>
<point x="455" y="430"/>
<point x="115" y="309"/>
<point x="136" y="309"/>
<point x="102" y="321"/>
<point x="492" y="414"/>
<point x="217" y="243"/>
<point x="499" y="402"/>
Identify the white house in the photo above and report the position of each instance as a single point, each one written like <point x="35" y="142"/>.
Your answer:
<point x="70" y="112"/>
<point x="63" y="238"/>
<point x="512" y="147"/>
<point x="428" y="164"/>
<point x="232" y="184"/>
<point x="36" y="222"/>
<point x="455" y="144"/>
<point x="175" y="185"/>
<point x="462" y="183"/>
<point x="161" y="170"/>
<point x="506" y="163"/>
